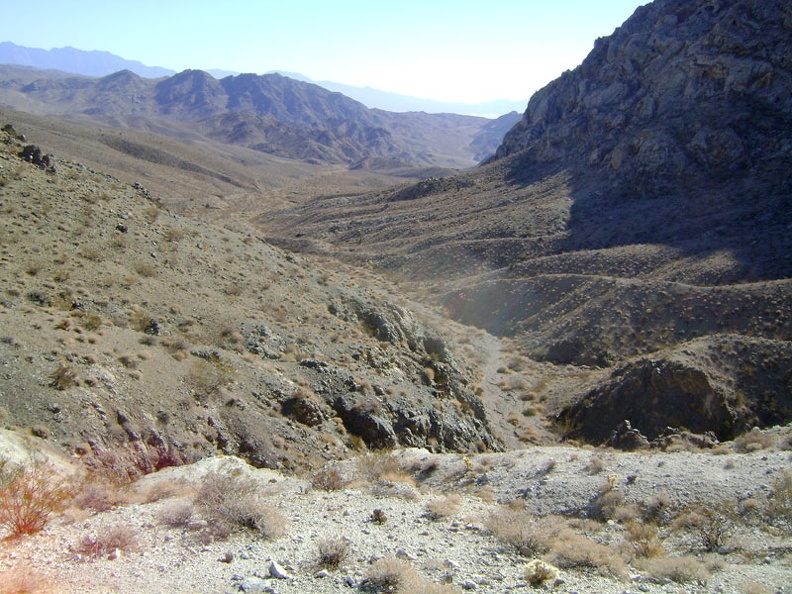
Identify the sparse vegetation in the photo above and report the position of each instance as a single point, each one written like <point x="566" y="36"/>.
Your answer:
<point x="108" y="541"/>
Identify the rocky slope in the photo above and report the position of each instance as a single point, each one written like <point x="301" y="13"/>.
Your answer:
<point x="127" y="326"/>
<point x="270" y="113"/>
<point x="640" y="211"/>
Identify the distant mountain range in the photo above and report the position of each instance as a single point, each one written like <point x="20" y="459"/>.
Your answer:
<point x="270" y="113"/>
<point x="98" y="63"/>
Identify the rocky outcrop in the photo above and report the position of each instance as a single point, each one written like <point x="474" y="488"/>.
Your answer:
<point x="646" y="398"/>
<point x="682" y="88"/>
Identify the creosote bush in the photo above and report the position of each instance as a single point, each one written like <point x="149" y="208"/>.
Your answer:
<point x="28" y="497"/>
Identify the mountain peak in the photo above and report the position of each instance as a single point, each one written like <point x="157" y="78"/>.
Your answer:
<point x="681" y="89"/>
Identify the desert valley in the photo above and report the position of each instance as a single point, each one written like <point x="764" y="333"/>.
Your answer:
<point x="258" y="337"/>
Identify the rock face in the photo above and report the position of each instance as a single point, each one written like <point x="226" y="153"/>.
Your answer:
<point x="681" y="89"/>
<point x="651" y="396"/>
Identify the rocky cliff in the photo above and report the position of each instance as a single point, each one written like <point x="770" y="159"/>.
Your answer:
<point x="682" y="90"/>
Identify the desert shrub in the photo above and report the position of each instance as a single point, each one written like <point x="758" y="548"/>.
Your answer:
<point x="393" y="576"/>
<point x="386" y="575"/>
<point x="332" y="552"/>
<point x="644" y="540"/>
<point x="658" y="507"/>
<point x="571" y="550"/>
<point x="752" y="587"/>
<point x="64" y="377"/>
<point x="207" y="377"/>
<point x="607" y="503"/>
<point x="537" y="572"/>
<point x="28" y="496"/>
<point x="384" y="470"/>
<point x="145" y="269"/>
<point x="125" y="464"/>
<point x="328" y="480"/>
<point x="595" y="465"/>
<point x="91" y="322"/>
<point x="779" y="508"/>
<point x="443" y="507"/>
<point x="96" y="494"/>
<point x="682" y="570"/>
<point x="521" y="530"/>
<point x="107" y="541"/>
<point x="235" y="502"/>
<point x="22" y="580"/>
<point x="176" y="514"/>
<point x="710" y="522"/>
<point x="753" y="441"/>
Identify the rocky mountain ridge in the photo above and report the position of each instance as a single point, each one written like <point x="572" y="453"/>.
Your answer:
<point x="270" y="113"/>
<point x="70" y="59"/>
<point x="681" y="92"/>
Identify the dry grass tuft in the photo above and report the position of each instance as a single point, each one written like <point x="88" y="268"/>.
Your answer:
<point x="682" y="570"/>
<point x="328" y="480"/>
<point x="108" y="542"/>
<point x="644" y="540"/>
<point x="443" y="507"/>
<point x="570" y="550"/>
<point x="234" y="502"/>
<point x="779" y="509"/>
<point x="753" y="441"/>
<point x="332" y="552"/>
<point x="176" y="514"/>
<point x="518" y="528"/>
<point x="393" y="576"/>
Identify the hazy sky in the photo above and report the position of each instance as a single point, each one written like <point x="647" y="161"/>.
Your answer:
<point x="460" y="50"/>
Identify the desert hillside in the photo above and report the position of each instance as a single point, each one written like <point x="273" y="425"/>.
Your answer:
<point x="257" y="338"/>
<point x="637" y="218"/>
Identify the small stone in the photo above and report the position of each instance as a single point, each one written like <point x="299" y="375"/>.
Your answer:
<point x="322" y="574"/>
<point x="469" y="585"/>
<point x="277" y="571"/>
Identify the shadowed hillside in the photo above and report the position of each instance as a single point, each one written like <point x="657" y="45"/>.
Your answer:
<point x="641" y="208"/>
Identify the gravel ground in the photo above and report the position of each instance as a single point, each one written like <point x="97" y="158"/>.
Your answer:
<point x="457" y="550"/>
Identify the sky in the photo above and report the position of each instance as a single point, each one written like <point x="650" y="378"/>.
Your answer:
<point x="448" y="50"/>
